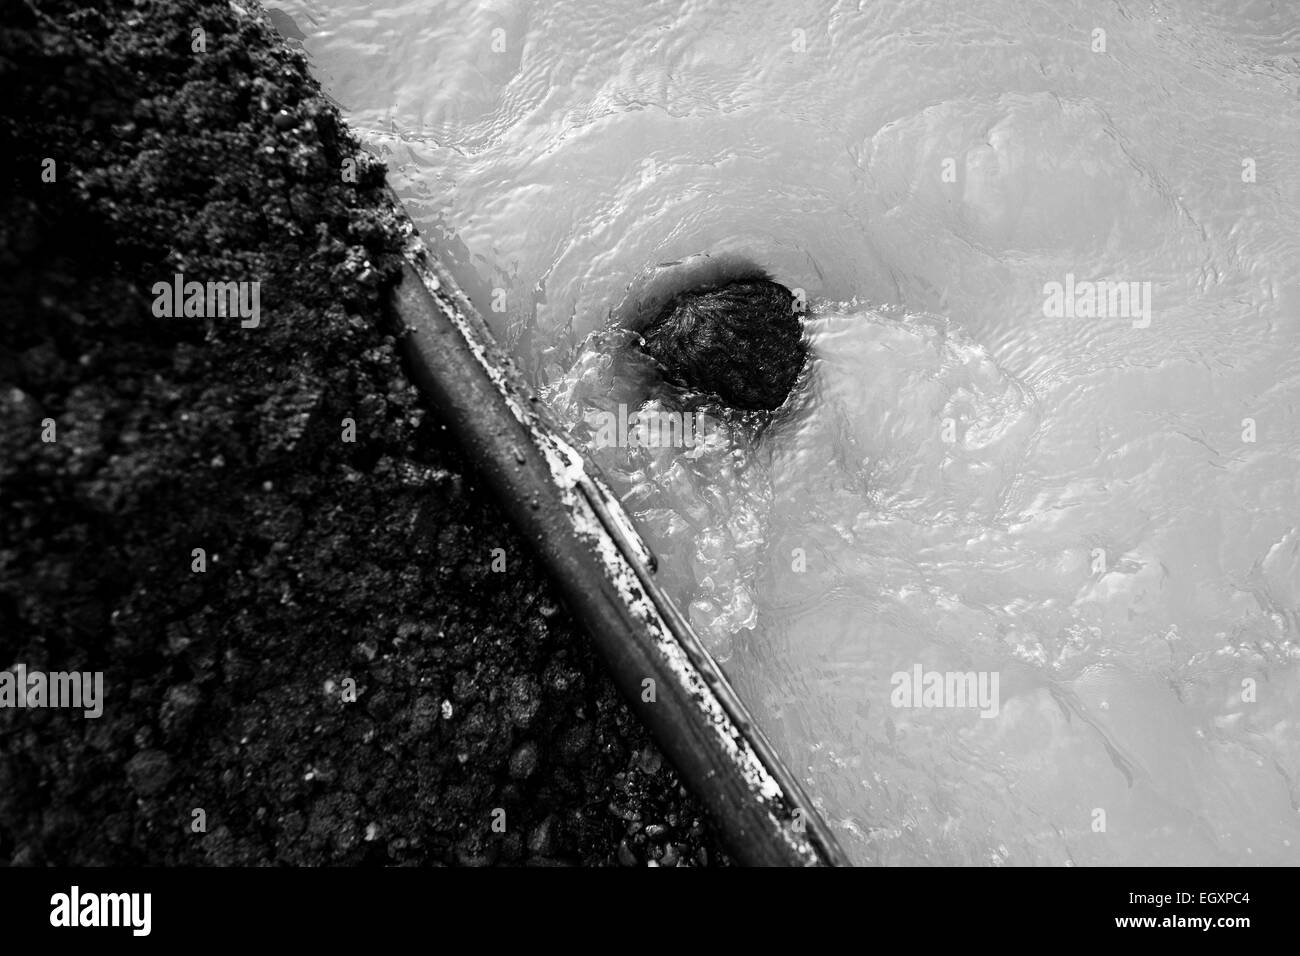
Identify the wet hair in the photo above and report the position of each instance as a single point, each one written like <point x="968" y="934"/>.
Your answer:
<point x="740" y="340"/>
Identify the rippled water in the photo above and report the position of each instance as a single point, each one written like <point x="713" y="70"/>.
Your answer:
<point x="966" y="480"/>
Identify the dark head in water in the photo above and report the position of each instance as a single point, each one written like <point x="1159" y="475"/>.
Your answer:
<point x="739" y="339"/>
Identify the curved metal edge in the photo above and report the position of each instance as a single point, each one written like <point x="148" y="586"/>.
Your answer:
<point x="604" y="570"/>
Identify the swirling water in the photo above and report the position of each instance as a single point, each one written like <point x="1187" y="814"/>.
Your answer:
<point x="1101" y="509"/>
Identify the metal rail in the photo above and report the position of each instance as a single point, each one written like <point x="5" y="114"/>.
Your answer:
<point x="605" y="572"/>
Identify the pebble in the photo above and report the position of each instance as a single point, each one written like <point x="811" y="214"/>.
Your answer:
<point x="470" y="852"/>
<point x="625" y="855"/>
<point x="149" y="772"/>
<point x="541" y="841"/>
<point x="524" y="700"/>
<point x="179" y="707"/>
<point x="649" y="761"/>
<point x="523" y="762"/>
<point x="424" y="714"/>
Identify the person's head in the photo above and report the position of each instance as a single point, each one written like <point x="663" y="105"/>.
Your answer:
<point x="740" y="340"/>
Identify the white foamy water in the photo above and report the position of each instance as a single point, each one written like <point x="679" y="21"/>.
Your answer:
<point x="1101" y="510"/>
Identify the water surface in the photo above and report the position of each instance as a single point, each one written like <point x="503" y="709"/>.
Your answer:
<point x="1101" y="510"/>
